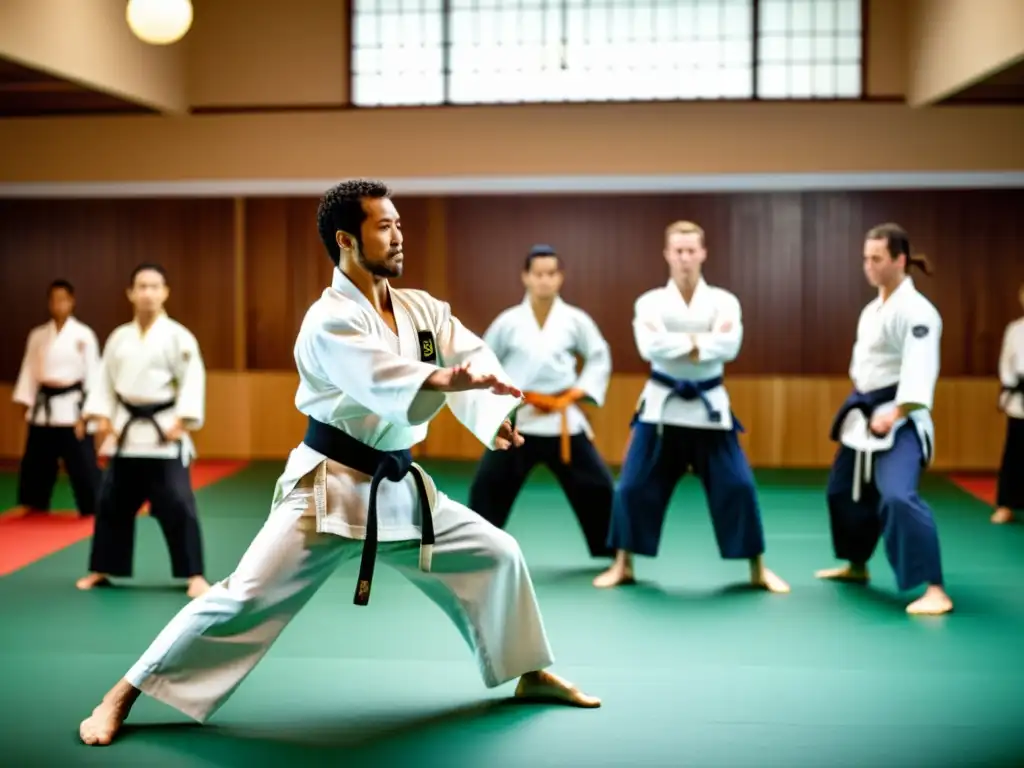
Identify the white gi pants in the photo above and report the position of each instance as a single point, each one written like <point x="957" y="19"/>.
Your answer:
<point x="478" y="577"/>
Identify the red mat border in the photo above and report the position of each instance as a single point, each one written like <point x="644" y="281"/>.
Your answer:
<point x="26" y="539"/>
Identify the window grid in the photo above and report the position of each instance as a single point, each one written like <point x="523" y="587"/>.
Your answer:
<point x="432" y="52"/>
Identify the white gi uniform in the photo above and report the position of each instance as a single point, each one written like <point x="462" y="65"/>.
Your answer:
<point x="541" y="361"/>
<point x="663" y="324"/>
<point x="1010" y="488"/>
<point x="52" y="383"/>
<point x="873" y="485"/>
<point x="360" y="378"/>
<point x="684" y="419"/>
<point x="145" y="381"/>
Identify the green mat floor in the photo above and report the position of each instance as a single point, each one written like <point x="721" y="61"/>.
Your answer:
<point x="693" y="670"/>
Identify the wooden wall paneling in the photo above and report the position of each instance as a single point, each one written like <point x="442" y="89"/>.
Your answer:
<point x="95" y="244"/>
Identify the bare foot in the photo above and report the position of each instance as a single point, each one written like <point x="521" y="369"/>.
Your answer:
<point x="544" y="686"/>
<point x="105" y="721"/>
<point x="93" y="580"/>
<point x="933" y="602"/>
<point x="1002" y="515"/>
<point x="764" y="578"/>
<point x="857" y="574"/>
<point x="197" y="586"/>
<point x="620" y="572"/>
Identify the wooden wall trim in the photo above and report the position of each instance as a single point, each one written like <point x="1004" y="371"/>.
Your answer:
<point x="240" y="293"/>
<point x="535" y="184"/>
<point x="252" y="416"/>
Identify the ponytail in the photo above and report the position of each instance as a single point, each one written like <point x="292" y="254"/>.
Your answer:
<point x="921" y="262"/>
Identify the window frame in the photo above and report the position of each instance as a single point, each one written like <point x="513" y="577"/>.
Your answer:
<point x="755" y="43"/>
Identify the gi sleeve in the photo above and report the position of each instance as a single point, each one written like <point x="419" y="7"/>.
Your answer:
<point x="920" y="330"/>
<point x="654" y="342"/>
<point x="344" y="350"/>
<point x="27" y="387"/>
<point x="101" y="401"/>
<point x="597" y="359"/>
<point x="1007" y="356"/>
<point x="722" y="345"/>
<point x="480" y="410"/>
<point x="190" y="404"/>
<point x="1008" y="361"/>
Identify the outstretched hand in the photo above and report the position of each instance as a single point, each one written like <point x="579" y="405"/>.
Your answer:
<point x="507" y="437"/>
<point x="460" y="379"/>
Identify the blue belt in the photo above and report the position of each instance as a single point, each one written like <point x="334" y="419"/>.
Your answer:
<point x="865" y="402"/>
<point x="380" y="465"/>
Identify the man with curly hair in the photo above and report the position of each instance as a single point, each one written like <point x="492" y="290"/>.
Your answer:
<point x="375" y="364"/>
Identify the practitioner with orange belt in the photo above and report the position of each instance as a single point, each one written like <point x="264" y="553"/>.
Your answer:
<point x="538" y="342"/>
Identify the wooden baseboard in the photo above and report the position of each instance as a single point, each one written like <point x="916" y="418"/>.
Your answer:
<point x="251" y="415"/>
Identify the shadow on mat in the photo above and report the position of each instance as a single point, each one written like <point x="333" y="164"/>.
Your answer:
<point x="364" y="733"/>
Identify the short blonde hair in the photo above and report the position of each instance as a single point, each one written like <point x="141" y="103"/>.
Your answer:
<point x="684" y="228"/>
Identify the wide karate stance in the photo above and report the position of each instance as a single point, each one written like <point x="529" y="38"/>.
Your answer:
<point x="687" y="330"/>
<point x="885" y="430"/>
<point x="537" y="343"/>
<point x="375" y="365"/>
<point x="148" y="393"/>
<point x="1010" y="489"/>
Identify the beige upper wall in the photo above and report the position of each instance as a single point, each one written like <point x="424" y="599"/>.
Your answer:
<point x="955" y="43"/>
<point x="295" y="53"/>
<point x="268" y="52"/>
<point x="88" y="42"/>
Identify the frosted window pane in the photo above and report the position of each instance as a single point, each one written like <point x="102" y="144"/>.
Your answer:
<point x="825" y="81"/>
<point x="848" y="49"/>
<point x="800" y="81"/>
<point x="366" y="61"/>
<point x="800" y="49"/>
<point x="825" y="49"/>
<point x="824" y="17"/>
<point x="800" y="16"/>
<point x="364" y="33"/>
<point x="848" y="80"/>
<point x="774" y="49"/>
<point x="771" y="82"/>
<point x="849" y="15"/>
<point x="738" y="19"/>
<point x="709" y="21"/>
<point x="774" y="15"/>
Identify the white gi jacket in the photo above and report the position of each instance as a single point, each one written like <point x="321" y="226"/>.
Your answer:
<point x="663" y="324"/>
<point x="898" y="343"/>
<point x="1011" y="368"/>
<point x="58" y="359"/>
<point x="157" y="366"/>
<point x="356" y="375"/>
<point x="542" y="359"/>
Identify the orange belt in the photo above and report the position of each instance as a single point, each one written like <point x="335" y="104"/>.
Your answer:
<point x="555" y="404"/>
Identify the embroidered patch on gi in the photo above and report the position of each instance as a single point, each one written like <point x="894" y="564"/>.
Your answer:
<point x="920" y="331"/>
<point x="186" y="355"/>
<point x="428" y="349"/>
<point x="80" y="346"/>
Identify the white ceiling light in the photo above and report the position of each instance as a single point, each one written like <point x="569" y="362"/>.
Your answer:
<point x="159" y="22"/>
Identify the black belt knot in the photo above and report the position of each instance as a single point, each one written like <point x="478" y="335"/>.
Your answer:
<point x="142" y="412"/>
<point x="45" y="393"/>
<point x="380" y="465"/>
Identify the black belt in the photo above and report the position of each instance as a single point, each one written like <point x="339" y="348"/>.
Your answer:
<point x="145" y="412"/>
<point x="380" y="465"/>
<point x="865" y="402"/>
<point x="45" y="393"/>
<point x="1015" y="389"/>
